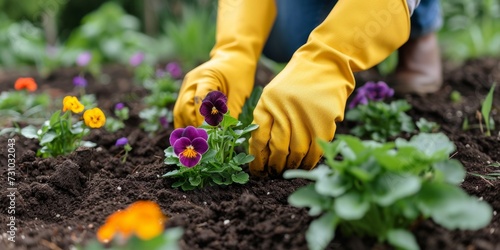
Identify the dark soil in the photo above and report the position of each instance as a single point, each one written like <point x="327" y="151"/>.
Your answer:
<point x="61" y="202"/>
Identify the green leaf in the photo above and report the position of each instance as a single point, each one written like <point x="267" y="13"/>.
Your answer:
<point x="307" y="197"/>
<point x="435" y="145"/>
<point x="452" y="170"/>
<point x="250" y="128"/>
<point x="48" y="137"/>
<point x="195" y="180"/>
<point x="240" y="177"/>
<point x="29" y="132"/>
<point x="208" y="156"/>
<point x="402" y="239"/>
<point x="228" y="121"/>
<point x="88" y="144"/>
<point x="333" y="185"/>
<point x="352" y="205"/>
<point x="321" y="231"/>
<point x="314" y="174"/>
<point x="55" y="118"/>
<point x="171" y="173"/>
<point x="243" y="158"/>
<point x="486" y="108"/>
<point x="390" y="187"/>
<point x="452" y="208"/>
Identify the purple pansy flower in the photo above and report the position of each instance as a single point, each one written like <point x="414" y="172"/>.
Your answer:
<point x="119" y="106"/>
<point x="121" y="142"/>
<point x="371" y="91"/>
<point x="189" y="144"/>
<point x="174" y="69"/>
<point x="79" y="81"/>
<point x="83" y="59"/>
<point x="136" y="59"/>
<point x="213" y="107"/>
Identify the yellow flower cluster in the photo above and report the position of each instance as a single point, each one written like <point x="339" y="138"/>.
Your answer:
<point x="142" y="218"/>
<point x="93" y="118"/>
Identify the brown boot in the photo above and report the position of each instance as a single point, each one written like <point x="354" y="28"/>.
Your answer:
<point x="419" y="67"/>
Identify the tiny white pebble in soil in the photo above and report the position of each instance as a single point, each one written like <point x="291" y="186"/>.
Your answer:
<point x="119" y="188"/>
<point x="293" y="216"/>
<point x="492" y="230"/>
<point x="494" y="213"/>
<point x="184" y="196"/>
<point x="481" y="198"/>
<point x="226" y="222"/>
<point x="58" y="215"/>
<point x="268" y="193"/>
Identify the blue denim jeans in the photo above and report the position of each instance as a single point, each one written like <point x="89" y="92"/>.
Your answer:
<point x="297" y="18"/>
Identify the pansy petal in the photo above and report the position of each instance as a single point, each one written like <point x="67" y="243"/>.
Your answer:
<point x="200" y="145"/>
<point x="190" y="132"/>
<point x="206" y="108"/>
<point x="202" y="133"/>
<point x="214" y="120"/>
<point x="180" y="145"/>
<point x="189" y="161"/>
<point x="175" y="135"/>
<point x="221" y="106"/>
<point x="216" y="95"/>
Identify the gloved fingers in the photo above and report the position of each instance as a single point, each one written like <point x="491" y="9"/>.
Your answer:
<point x="300" y="143"/>
<point x="259" y="140"/>
<point x="184" y="108"/>
<point x="312" y="157"/>
<point x="279" y="144"/>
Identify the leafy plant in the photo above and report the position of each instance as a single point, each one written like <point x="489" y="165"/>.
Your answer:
<point x="376" y="119"/>
<point x="206" y="156"/>
<point x="380" y="190"/>
<point x="427" y="126"/>
<point x="60" y="135"/>
<point x="486" y="109"/>
<point x="493" y="175"/>
<point x="193" y="37"/>
<point x="122" y="114"/>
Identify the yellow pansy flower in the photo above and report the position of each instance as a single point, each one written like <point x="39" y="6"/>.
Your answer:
<point x="94" y="118"/>
<point x="72" y="103"/>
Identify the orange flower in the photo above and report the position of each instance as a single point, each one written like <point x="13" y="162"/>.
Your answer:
<point x="25" y="83"/>
<point x="142" y="218"/>
<point x="72" y="103"/>
<point x="94" y="118"/>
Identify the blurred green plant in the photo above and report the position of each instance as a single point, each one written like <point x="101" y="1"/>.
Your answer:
<point x="486" y="109"/>
<point x="192" y="37"/>
<point x="20" y="106"/>
<point x="470" y="28"/>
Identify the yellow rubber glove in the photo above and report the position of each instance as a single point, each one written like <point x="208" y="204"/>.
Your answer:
<point x="242" y="29"/>
<point x="306" y="99"/>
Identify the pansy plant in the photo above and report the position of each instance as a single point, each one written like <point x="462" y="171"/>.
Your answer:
<point x="60" y="134"/>
<point x="206" y="156"/>
<point x="121" y="112"/>
<point x="376" y="119"/>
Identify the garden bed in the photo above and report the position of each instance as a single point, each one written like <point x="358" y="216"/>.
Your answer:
<point x="61" y="202"/>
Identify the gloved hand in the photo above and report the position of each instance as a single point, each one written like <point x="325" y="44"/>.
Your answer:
<point x="242" y="29"/>
<point x="306" y="99"/>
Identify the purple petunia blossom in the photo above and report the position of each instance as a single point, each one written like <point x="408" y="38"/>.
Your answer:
<point x="79" y="81"/>
<point x="119" y="106"/>
<point x="213" y="107"/>
<point x="160" y="73"/>
<point x="83" y="59"/>
<point x="371" y="91"/>
<point x="121" y="142"/>
<point x="174" y="69"/>
<point x="189" y="144"/>
<point x="136" y="59"/>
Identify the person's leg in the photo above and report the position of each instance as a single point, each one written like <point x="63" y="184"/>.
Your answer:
<point x="419" y="65"/>
<point x="294" y="22"/>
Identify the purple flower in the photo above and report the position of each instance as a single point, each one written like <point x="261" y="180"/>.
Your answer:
<point x="174" y="69"/>
<point x="83" y="59"/>
<point x="119" y="106"/>
<point x="121" y="142"/>
<point x="164" y="122"/>
<point x="79" y="81"/>
<point x="136" y="59"/>
<point x="213" y="107"/>
<point x="189" y="144"/>
<point x="371" y="91"/>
